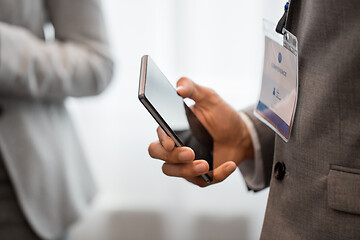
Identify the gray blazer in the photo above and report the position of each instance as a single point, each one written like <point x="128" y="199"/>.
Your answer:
<point x="37" y="139"/>
<point x="315" y="178"/>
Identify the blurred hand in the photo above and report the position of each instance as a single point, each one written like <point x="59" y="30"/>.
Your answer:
<point x="232" y="142"/>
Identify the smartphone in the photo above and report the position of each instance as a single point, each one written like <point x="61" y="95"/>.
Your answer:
<point x="170" y="111"/>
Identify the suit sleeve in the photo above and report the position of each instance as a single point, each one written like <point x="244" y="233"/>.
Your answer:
<point x="257" y="172"/>
<point x="78" y="63"/>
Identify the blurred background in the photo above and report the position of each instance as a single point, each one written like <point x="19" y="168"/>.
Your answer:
<point x="218" y="44"/>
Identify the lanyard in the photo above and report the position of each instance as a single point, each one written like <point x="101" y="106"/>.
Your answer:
<point x="281" y="24"/>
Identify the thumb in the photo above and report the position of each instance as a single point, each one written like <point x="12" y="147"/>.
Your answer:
<point x="188" y="89"/>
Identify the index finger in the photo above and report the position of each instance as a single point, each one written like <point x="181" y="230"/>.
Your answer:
<point x="219" y="175"/>
<point x="165" y="140"/>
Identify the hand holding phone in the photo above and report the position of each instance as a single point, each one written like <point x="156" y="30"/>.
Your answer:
<point x="172" y="114"/>
<point x="224" y="126"/>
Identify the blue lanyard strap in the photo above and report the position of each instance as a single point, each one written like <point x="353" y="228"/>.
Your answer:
<point x="281" y="24"/>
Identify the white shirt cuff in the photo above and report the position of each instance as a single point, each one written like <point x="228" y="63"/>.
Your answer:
<point x="252" y="169"/>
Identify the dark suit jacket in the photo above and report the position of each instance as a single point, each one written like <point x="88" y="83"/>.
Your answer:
<point x="319" y="195"/>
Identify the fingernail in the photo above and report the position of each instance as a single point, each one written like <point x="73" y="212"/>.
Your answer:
<point x="185" y="156"/>
<point x="179" y="87"/>
<point x="229" y="169"/>
<point x="200" y="168"/>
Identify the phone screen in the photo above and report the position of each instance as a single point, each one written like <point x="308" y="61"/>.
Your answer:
<point x="178" y="117"/>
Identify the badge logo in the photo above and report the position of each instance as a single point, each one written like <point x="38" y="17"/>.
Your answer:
<point x="279" y="57"/>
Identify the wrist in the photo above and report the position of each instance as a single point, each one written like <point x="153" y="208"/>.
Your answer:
<point x="244" y="146"/>
<point x="246" y="142"/>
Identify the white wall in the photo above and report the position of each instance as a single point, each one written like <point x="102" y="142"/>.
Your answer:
<point x="216" y="43"/>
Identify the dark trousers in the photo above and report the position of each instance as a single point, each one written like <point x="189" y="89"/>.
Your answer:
<point x="13" y="224"/>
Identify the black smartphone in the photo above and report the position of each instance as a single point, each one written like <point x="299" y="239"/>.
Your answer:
<point x="172" y="114"/>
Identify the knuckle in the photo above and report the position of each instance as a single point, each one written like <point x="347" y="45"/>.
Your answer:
<point x="175" y="153"/>
<point x="188" y="170"/>
<point x="184" y="172"/>
<point x="211" y="91"/>
<point x="168" y="144"/>
<point x="212" y="95"/>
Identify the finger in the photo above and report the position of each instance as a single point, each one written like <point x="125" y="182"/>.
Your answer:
<point x="165" y="140"/>
<point x="178" y="155"/>
<point x="220" y="174"/>
<point x="188" y="170"/>
<point x="188" y="89"/>
<point x="199" y="181"/>
<point x="223" y="171"/>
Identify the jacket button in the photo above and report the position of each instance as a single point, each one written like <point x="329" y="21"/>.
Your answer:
<point x="279" y="171"/>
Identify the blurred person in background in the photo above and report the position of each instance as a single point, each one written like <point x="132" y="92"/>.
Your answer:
<point x="45" y="182"/>
<point x="314" y="178"/>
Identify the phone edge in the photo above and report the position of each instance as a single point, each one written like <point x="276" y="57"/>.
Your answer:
<point x="141" y="95"/>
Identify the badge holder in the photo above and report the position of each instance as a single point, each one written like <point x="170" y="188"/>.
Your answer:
<point x="279" y="89"/>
